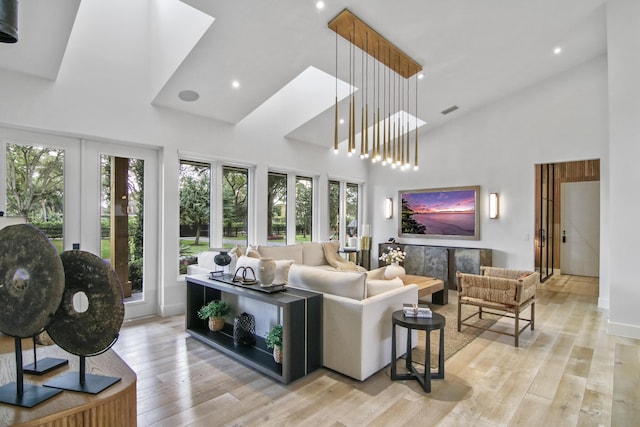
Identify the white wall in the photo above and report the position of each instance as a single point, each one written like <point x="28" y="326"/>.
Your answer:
<point x="561" y="119"/>
<point x="624" y="133"/>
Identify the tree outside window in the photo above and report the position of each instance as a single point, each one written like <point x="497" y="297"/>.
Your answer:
<point x="304" y="209"/>
<point x="334" y="210"/>
<point x="235" y="208"/>
<point x="277" y="209"/>
<point x="195" y="196"/>
<point x="35" y="188"/>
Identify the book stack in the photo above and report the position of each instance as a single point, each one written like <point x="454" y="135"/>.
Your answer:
<point x="416" y="310"/>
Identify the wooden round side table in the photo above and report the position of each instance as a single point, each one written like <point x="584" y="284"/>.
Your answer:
<point x="437" y="321"/>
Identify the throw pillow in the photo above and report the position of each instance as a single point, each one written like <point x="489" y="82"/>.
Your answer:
<point x="253" y="254"/>
<point x="331" y="254"/>
<point x="377" y="274"/>
<point x="282" y="271"/>
<point x="375" y="287"/>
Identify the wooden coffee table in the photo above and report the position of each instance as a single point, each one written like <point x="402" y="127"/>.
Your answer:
<point x="428" y="286"/>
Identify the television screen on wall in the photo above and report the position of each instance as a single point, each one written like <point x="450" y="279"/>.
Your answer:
<point x="444" y="213"/>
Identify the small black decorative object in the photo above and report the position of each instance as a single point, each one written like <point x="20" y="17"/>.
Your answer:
<point x="9" y="21"/>
<point x="222" y="259"/>
<point x="244" y="329"/>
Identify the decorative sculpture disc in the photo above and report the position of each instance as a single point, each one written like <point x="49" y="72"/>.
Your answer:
<point x="31" y="280"/>
<point x="96" y="329"/>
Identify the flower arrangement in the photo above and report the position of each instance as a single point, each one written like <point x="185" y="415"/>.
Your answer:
<point x="393" y="256"/>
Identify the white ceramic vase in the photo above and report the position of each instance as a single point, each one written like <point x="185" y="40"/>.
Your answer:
<point x="394" y="270"/>
<point x="267" y="271"/>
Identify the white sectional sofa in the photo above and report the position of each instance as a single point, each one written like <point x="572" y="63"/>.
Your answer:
<point x="308" y="253"/>
<point x="356" y="325"/>
<point x="357" y="305"/>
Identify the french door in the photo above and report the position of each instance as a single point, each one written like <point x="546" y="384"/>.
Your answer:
<point x="119" y="217"/>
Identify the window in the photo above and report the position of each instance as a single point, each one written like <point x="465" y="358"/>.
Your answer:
<point x="304" y="209"/>
<point x="195" y="212"/>
<point x="334" y="210"/>
<point x="277" y="209"/>
<point x="35" y="188"/>
<point x="344" y="211"/>
<point x="351" y="216"/>
<point x="235" y="207"/>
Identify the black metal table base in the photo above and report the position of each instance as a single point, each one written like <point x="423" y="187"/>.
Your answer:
<point x="427" y="325"/>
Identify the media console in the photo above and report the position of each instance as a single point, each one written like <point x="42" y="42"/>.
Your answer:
<point x="301" y="314"/>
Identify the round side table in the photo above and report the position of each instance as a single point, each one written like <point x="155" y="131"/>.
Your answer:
<point x="437" y="321"/>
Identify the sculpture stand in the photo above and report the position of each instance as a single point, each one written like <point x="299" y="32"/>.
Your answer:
<point x="84" y="383"/>
<point x="20" y="394"/>
<point x="44" y="366"/>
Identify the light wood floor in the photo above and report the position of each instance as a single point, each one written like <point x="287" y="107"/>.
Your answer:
<point x="568" y="372"/>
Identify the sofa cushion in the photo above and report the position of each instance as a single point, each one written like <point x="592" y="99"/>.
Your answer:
<point x="377" y="286"/>
<point x="313" y="254"/>
<point x="293" y="252"/>
<point x="346" y="284"/>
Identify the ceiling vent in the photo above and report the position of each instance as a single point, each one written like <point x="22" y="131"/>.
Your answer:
<point x="449" y="110"/>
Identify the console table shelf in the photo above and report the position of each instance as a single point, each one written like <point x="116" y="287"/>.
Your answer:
<point x="301" y="313"/>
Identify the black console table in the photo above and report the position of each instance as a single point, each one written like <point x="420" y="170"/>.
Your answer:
<point x="301" y="320"/>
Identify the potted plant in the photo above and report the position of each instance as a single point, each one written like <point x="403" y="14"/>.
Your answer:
<point x="215" y="311"/>
<point x="274" y="340"/>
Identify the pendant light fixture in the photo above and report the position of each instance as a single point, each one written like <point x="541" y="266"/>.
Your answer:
<point x="392" y="69"/>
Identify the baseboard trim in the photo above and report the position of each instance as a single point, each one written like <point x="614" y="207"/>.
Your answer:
<point x="603" y="303"/>
<point x="623" y="330"/>
<point x="171" y="310"/>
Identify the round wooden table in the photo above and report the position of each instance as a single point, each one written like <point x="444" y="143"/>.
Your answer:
<point x="437" y="321"/>
<point x="115" y="406"/>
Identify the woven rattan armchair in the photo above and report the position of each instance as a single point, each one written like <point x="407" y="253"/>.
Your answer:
<point x="498" y="289"/>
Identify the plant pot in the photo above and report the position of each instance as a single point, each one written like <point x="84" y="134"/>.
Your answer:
<point x="394" y="270"/>
<point x="216" y="323"/>
<point x="277" y="354"/>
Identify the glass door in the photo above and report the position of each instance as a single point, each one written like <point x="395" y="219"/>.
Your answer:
<point x="545" y="219"/>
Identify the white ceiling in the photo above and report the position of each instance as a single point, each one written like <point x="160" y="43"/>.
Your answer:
<point x="473" y="53"/>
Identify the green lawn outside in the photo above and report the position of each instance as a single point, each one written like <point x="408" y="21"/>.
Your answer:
<point x="105" y="247"/>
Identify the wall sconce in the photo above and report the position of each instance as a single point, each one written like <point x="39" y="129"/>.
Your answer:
<point x="493" y="205"/>
<point x="388" y="208"/>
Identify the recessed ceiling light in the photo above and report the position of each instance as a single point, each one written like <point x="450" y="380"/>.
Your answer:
<point x="320" y="5"/>
<point x="235" y="84"/>
<point x="557" y="50"/>
<point x="420" y="76"/>
<point x="341" y="121"/>
<point x="189" y="95"/>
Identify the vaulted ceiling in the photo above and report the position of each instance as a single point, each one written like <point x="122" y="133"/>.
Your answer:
<point x="283" y="55"/>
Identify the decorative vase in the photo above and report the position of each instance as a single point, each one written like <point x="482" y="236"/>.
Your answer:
<point x="244" y="329"/>
<point x="216" y="323"/>
<point x="267" y="271"/>
<point x="277" y="353"/>
<point x="394" y="270"/>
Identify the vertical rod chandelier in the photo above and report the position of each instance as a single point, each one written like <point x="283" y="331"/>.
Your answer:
<point x="389" y="141"/>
